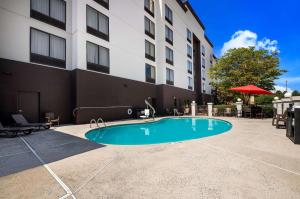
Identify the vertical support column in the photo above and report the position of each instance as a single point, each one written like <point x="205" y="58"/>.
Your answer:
<point x="239" y="108"/>
<point x="194" y="108"/>
<point x="209" y="109"/>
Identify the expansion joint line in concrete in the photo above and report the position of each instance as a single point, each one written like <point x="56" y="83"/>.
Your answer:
<point x="62" y="184"/>
<point x="256" y="160"/>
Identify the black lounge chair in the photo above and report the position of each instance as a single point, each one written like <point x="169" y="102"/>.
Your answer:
<point x="13" y="131"/>
<point x="21" y="121"/>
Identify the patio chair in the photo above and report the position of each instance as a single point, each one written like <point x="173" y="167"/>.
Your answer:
<point x="146" y="114"/>
<point x="247" y="112"/>
<point x="13" y="131"/>
<point x="281" y="120"/>
<point x="176" y="112"/>
<point x="21" y="121"/>
<point x="186" y="111"/>
<point x="215" y="111"/>
<point x="50" y="118"/>
<point x="259" y="113"/>
<point x="228" y="112"/>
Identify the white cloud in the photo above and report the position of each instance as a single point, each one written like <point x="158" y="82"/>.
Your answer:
<point x="282" y="89"/>
<point x="246" y="38"/>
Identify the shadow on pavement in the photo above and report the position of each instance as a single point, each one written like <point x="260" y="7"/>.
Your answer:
<point x="50" y="145"/>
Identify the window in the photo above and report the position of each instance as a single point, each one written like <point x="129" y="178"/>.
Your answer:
<point x="47" y="49"/>
<point x="149" y="50"/>
<point x="97" y="23"/>
<point x="189" y="51"/>
<point x="170" y="76"/>
<point x="169" y="56"/>
<point x="149" y="28"/>
<point x="211" y="58"/>
<point x="149" y="7"/>
<point x="203" y="74"/>
<point x="104" y="3"/>
<point x="97" y="57"/>
<point x="150" y="73"/>
<point x="203" y="50"/>
<point x="168" y="15"/>
<point x="203" y="62"/>
<point x="189" y="35"/>
<point x="190" y="83"/>
<point x="169" y="35"/>
<point x="203" y="88"/>
<point x="189" y="67"/>
<point x="49" y="11"/>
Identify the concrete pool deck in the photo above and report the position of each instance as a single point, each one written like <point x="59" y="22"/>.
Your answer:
<point x="253" y="160"/>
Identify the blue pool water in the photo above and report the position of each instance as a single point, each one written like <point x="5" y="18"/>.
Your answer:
<point x="162" y="131"/>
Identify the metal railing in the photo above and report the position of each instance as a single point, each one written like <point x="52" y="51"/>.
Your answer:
<point x="151" y="107"/>
<point x="93" y="121"/>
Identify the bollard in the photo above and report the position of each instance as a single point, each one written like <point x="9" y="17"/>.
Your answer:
<point x="209" y="109"/>
<point x="194" y="108"/>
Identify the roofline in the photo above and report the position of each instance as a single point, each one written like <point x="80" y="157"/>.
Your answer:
<point x="208" y="40"/>
<point x="185" y="6"/>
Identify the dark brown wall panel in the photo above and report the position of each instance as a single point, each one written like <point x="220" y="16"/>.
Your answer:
<point x="53" y="86"/>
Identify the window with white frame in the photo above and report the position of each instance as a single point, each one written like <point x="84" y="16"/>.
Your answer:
<point x="47" y="49"/>
<point x="203" y="63"/>
<point x="170" y="76"/>
<point x="189" y="67"/>
<point x="169" y="35"/>
<point x="169" y="56"/>
<point x="189" y="51"/>
<point x="149" y="28"/>
<point x="149" y="6"/>
<point x="150" y="73"/>
<point x="189" y="35"/>
<point x="168" y="14"/>
<point x="97" y="23"/>
<point x="49" y="11"/>
<point x="190" y="83"/>
<point x="149" y="50"/>
<point x="203" y="50"/>
<point x="97" y="57"/>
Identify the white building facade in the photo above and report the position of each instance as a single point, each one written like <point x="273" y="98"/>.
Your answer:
<point x="156" y="44"/>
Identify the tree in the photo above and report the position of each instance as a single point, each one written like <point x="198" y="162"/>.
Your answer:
<point x="244" y="66"/>
<point x="296" y="93"/>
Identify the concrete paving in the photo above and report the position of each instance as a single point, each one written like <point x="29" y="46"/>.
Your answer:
<point x="253" y="160"/>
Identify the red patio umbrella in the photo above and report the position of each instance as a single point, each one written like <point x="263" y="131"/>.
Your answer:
<point x="251" y="90"/>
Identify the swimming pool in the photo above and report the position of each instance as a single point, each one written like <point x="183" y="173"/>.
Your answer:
<point x="162" y="131"/>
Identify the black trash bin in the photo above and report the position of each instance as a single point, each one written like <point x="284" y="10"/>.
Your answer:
<point x="293" y="125"/>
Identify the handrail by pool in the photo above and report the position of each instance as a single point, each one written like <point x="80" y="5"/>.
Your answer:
<point x="99" y="107"/>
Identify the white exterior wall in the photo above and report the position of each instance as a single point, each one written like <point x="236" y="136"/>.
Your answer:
<point x="126" y="33"/>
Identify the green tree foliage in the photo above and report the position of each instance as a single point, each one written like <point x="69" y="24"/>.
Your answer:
<point x="296" y="93"/>
<point x="241" y="67"/>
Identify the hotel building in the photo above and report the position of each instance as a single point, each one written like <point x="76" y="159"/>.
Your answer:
<point x="58" y="55"/>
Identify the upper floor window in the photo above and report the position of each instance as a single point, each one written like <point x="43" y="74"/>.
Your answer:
<point x="203" y="50"/>
<point x="104" y="3"/>
<point x="47" y="49"/>
<point x="97" y="23"/>
<point x="49" y="11"/>
<point x="189" y="51"/>
<point x="149" y="28"/>
<point x="97" y="57"/>
<point x="203" y="63"/>
<point x="149" y="7"/>
<point x="203" y="74"/>
<point x="169" y="56"/>
<point x="190" y="83"/>
<point x="150" y="73"/>
<point x="189" y="35"/>
<point x="203" y="88"/>
<point x="211" y="57"/>
<point x="149" y="50"/>
<point x="168" y="15"/>
<point x="189" y="67"/>
<point x="169" y="35"/>
<point x="169" y="76"/>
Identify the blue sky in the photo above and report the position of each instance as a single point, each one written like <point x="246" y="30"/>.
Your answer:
<point x="268" y="23"/>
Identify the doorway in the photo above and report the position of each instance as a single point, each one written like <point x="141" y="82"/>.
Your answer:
<point x="29" y="105"/>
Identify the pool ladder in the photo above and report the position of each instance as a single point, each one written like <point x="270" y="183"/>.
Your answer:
<point x="97" y="122"/>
